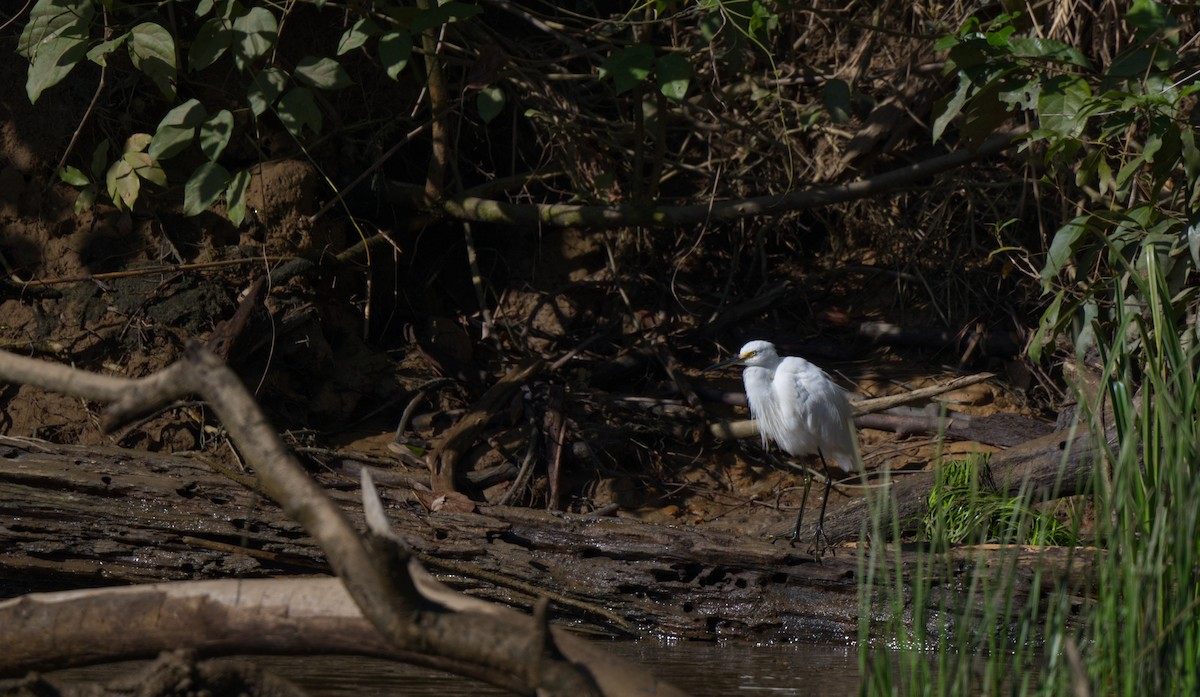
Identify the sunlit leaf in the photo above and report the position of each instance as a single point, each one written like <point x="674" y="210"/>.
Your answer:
<point x="153" y="52"/>
<point x="395" y="48"/>
<point x="204" y="186"/>
<point x="99" y="53"/>
<point x="214" y="134"/>
<point x="441" y="14"/>
<point x="54" y="40"/>
<point x="322" y="73"/>
<point x="628" y="67"/>
<point x="212" y="40"/>
<point x="73" y="176"/>
<point x="254" y="33"/>
<point x="235" y="197"/>
<point x="357" y="35"/>
<point x="674" y="75"/>
<point x="86" y="198"/>
<point x="1050" y="320"/>
<point x="148" y="169"/>
<point x="297" y="109"/>
<point x="123" y="184"/>
<point x="1060" y="102"/>
<point x="176" y="130"/>
<point x="489" y="102"/>
<point x="837" y="100"/>
<point x="1063" y="246"/>
<point x="136" y="143"/>
<point x="264" y="89"/>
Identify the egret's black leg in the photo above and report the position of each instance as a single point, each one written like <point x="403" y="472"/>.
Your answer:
<point x="803" y="503"/>
<point x="824" y="502"/>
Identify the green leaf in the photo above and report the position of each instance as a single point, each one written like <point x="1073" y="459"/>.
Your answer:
<point x="254" y="33"/>
<point x="235" y="197"/>
<point x="146" y="168"/>
<point x="264" y="89"/>
<point x="984" y="113"/>
<point x="99" y="162"/>
<point x="1063" y="247"/>
<point x="50" y="19"/>
<point x="136" y="143"/>
<point x="999" y="37"/>
<point x="1131" y="167"/>
<point x="176" y="130"/>
<point x="1049" y="50"/>
<point x="395" y="48"/>
<point x="86" y="199"/>
<point x="322" y="73"/>
<point x="123" y="184"/>
<point x="298" y="109"/>
<point x="215" y="133"/>
<point x="1060" y="102"/>
<point x="837" y="100"/>
<point x="204" y="186"/>
<point x="153" y="52"/>
<point x="212" y="40"/>
<point x="1051" y="319"/>
<point x="99" y="53"/>
<point x="674" y="75"/>
<point x="950" y="106"/>
<point x="73" y="176"/>
<point x="441" y="14"/>
<point x="628" y="67"/>
<point x="1147" y="17"/>
<point x="356" y="36"/>
<point x="189" y="115"/>
<point x="1193" y="241"/>
<point x="489" y="102"/>
<point x="54" y="40"/>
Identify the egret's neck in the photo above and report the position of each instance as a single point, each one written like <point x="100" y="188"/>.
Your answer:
<point x="758" y="381"/>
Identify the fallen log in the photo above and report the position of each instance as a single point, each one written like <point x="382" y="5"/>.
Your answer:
<point x="88" y="516"/>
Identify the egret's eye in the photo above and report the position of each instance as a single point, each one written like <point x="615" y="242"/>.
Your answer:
<point x="749" y="354"/>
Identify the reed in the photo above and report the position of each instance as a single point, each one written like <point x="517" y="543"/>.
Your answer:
<point x="1133" y="626"/>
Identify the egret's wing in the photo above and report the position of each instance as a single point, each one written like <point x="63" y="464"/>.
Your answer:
<point x="817" y="410"/>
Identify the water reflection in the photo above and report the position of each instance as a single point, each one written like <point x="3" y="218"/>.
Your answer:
<point x="699" y="668"/>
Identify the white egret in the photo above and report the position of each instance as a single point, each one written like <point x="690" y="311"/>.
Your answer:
<point x="800" y="408"/>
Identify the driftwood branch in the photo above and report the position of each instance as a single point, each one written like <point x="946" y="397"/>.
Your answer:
<point x="476" y="209"/>
<point x="465" y="433"/>
<point x="484" y="639"/>
<point x="1043" y="469"/>
<point x="748" y="428"/>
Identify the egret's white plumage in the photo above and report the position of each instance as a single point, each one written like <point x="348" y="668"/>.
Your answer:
<point x="800" y="408"/>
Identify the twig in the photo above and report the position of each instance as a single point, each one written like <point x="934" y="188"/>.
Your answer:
<point x="342" y="191"/>
<point x="730" y="430"/>
<point x="151" y="270"/>
<point x="87" y="113"/>
<point x="566" y="215"/>
<point x="414" y="623"/>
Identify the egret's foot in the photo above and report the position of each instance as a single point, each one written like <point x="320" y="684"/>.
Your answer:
<point x="817" y="549"/>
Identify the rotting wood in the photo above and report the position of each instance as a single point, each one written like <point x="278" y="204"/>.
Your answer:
<point x="457" y="440"/>
<point x="91" y="515"/>
<point x="492" y="641"/>
<point x="1046" y="468"/>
